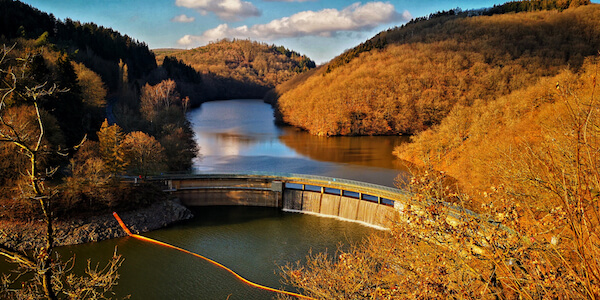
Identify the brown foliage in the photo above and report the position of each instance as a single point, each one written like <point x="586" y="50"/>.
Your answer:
<point x="505" y="130"/>
<point x="158" y="97"/>
<point x="439" y="251"/>
<point x="179" y="148"/>
<point x="92" y="87"/>
<point x="110" y="148"/>
<point x="144" y="153"/>
<point x="23" y="127"/>
<point x="244" y="61"/>
<point x="531" y="163"/>
<point x="431" y="67"/>
<point x="230" y="69"/>
<point x="162" y="106"/>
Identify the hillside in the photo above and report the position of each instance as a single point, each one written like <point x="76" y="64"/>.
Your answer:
<point x="513" y="134"/>
<point x="515" y="130"/>
<point x="240" y="68"/>
<point x="101" y="49"/>
<point x="408" y="79"/>
<point x="528" y="164"/>
<point x="57" y="80"/>
<point x="160" y="53"/>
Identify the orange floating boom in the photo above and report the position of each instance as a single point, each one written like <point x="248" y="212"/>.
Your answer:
<point x="244" y="280"/>
<point x="122" y="224"/>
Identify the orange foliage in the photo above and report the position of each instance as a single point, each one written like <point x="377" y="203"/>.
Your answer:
<point x="480" y="145"/>
<point x="240" y="68"/>
<point x="158" y="97"/>
<point x="144" y="153"/>
<point x="430" y="67"/>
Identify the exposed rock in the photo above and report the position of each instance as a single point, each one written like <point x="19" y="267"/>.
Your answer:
<point x="27" y="235"/>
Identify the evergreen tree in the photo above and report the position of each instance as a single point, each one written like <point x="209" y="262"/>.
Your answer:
<point x="110" y="139"/>
<point x="67" y="107"/>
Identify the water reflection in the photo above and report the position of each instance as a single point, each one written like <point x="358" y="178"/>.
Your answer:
<point x="241" y="136"/>
<point x="372" y="151"/>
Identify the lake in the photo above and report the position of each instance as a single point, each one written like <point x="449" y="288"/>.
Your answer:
<point x="240" y="136"/>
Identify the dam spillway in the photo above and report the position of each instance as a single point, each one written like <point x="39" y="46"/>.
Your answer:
<point x="345" y="199"/>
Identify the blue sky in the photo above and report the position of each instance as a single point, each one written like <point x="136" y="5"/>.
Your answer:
<point x="320" y="29"/>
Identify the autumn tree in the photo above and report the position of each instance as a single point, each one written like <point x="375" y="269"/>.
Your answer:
<point x="49" y="277"/>
<point x="179" y="147"/>
<point x="534" y="230"/>
<point x="164" y="108"/>
<point x="110" y="143"/>
<point x="144" y="153"/>
<point x="159" y="97"/>
<point x="93" y="93"/>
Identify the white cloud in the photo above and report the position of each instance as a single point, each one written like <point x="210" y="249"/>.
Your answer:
<point x="229" y="10"/>
<point x="186" y="40"/>
<point x="326" y="22"/>
<point x="183" y="19"/>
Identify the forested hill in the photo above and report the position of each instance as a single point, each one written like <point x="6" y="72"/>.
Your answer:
<point x="428" y="28"/>
<point x="102" y="49"/>
<point x="239" y="68"/>
<point x="410" y="78"/>
<point x="79" y="70"/>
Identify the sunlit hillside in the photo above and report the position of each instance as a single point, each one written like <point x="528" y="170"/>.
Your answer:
<point x="240" y="68"/>
<point x="481" y="145"/>
<point x="528" y="163"/>
<point x="408" y="79"/>
<point x="506" y="113"/>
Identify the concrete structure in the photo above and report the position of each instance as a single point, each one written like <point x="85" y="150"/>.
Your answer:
<point x="346" y="199"/>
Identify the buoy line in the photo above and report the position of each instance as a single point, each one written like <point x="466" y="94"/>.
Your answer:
<point x="244" y="280"/>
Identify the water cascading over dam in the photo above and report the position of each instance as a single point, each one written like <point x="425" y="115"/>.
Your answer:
<point x="371" y="204"/>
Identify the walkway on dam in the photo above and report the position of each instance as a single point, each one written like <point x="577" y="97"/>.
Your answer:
<point x="356" y="201"/>
<point x="347" y="199"/>
<point x="368" y="203"/>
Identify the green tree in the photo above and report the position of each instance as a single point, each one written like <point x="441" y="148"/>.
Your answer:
<point x="42" y="40"/>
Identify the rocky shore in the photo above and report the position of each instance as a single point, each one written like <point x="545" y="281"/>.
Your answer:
<point x="28" y="235"/>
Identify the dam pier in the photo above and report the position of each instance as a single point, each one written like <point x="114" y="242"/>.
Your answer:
<point x="350" y="200"/>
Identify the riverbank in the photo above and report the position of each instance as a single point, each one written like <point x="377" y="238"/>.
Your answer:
<point x="24" y="235"/>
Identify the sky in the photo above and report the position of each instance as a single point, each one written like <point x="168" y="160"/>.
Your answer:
<point x="321" y="29"/>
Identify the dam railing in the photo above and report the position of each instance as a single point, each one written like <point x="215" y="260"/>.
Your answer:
<point x="351" y="200"/>
<point x="347" y="199"/>
<point x="313" y="183"/>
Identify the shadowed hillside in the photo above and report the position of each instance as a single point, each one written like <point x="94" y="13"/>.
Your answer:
<point x="101" y="49"/>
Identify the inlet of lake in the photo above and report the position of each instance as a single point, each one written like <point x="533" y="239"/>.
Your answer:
<point x="240" y="136"/>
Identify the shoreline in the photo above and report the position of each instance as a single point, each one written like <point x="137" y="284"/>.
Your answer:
<point x="25" y="235"/>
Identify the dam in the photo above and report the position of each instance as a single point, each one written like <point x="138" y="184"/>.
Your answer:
<point x="350" y="200"/>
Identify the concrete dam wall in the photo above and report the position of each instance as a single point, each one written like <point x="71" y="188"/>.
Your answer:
<point x="339" y="206"/>
<point x="350" y="200"/>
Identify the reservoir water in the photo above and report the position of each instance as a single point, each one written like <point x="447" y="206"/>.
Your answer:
<point x="252" y="241"/>
<point x="239" y="136"/>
